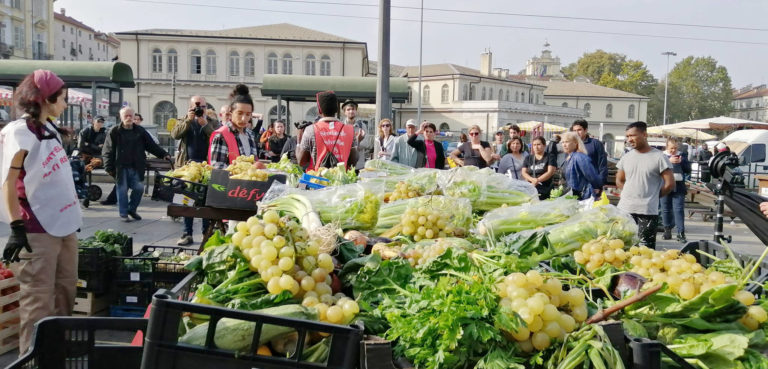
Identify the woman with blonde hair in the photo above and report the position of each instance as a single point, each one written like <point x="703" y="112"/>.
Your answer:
<point x="384" y="145"/>
<point x="580" y="175"/>
<point x="474" y="152"/>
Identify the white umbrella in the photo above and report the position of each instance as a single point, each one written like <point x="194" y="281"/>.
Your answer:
<point x="716" y="123"/>
<point x="688" y="133"/>
<point x="531" y="125"/>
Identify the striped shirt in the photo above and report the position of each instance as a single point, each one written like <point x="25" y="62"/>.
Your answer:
<point x="220" y="151"/>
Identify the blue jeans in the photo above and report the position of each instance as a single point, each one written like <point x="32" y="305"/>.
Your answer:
<point x="188" y="221"/>
<point x="128" y="178"/>
<point x="673" y="209"/>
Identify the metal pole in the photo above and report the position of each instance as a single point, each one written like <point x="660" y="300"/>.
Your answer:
<point x="383" y="102"/>
<point x="421" y="47"/>
<point x="666" y="85"/>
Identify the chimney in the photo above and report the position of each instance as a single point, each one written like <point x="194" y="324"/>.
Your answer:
<point x="486" y="63"/>
<point x="497" y="72"/>
<point x="63" y="11"/>
<point x="504" y="73"/>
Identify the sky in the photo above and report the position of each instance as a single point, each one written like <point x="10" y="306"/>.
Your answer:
<point x="733" y="32"/>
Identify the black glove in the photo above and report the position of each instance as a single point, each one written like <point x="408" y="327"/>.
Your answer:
<point x="16" y="241"/>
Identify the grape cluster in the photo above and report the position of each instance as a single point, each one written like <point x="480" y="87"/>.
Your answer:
<point x="596" y="253"/>
<point x="403" y="190"/>
<point x="549" y="312"/>
<point x="422" y="254"/>
<point x="426" y="223"/>
<point x="285" y="256"/>
<point x="755" y="315"/>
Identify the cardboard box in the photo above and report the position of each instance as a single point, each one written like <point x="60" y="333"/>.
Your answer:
<point x="227" y="193"/>
<point x="762" y="185"/>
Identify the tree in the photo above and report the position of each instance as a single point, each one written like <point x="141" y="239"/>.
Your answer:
<point x="613" y="70"/>
<point x="698" y="88"/>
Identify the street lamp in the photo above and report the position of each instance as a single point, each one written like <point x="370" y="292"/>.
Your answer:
<point x="421" y="46"/>
<point x="666" y="84"/>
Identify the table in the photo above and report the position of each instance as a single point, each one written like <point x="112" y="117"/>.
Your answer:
<point x="216" y="215"/>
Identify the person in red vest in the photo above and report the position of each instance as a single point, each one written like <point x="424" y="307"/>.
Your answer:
<point x="233" y="139"/>
<point x="329" y="141"/>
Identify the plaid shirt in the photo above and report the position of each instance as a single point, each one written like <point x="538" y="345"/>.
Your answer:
<point x="220" y="152"/>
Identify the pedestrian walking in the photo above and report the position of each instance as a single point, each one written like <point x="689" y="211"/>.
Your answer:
<point x="475" y="152"/>
<point x="673" y="204"/>
<point x="644" y="175"/>
<point x="702" y="157"/>
<point x="511" y="163"/>
<point x="580" y="175"/>
<point x="540" y="167"/>
<point x="40" y="203"/>
<point x="125" y="161"/>
<point x="429" y="152"/>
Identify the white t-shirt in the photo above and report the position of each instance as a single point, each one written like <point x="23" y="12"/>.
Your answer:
<point x="642" y="171"/>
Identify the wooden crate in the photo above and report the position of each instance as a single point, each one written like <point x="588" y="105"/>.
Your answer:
<point x="90" y="304"/>
<point x="9" y="320"/>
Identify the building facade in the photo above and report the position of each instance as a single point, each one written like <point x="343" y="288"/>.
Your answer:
<point x="170" y="66"/>
<point x="78" y="42"/>
<point x="26" y="29"/>
<point x="751" y="103"/>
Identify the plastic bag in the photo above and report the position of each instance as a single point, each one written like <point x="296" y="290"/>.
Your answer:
<point x="486" y="189"/>
<point x="352" y="206"/>
<point x="513" y="219"/>
<point x="388" y="168"/>
<point x="588" y="225"/>
<point x="391" y="214"/>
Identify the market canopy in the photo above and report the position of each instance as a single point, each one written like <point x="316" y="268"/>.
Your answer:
<point x="531" y="125"/>
<point x="305" y="88"/>
<point x="75" y="74"/>
<point x="717" y="123"/>
<point x="693" y="134"/>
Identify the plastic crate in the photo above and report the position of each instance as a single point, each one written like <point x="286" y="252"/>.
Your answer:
<point x="65" y="342"/>
<point x="306" y="182"/>
<point x="718" y="250"/>
<point x="134" y="293"/>
<point x="92" y="259"/>
<point x="162" y="349"/>
<point x="122" y="311"/>
<point x="97" y="282"/>
<point x="140" y="267"/>
<point x="166" y="187"/>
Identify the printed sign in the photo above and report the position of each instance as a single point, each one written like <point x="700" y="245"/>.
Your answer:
<point x="227" y="193"/>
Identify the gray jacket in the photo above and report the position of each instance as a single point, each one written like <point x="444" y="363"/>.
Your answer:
<point x="404" y="153"/>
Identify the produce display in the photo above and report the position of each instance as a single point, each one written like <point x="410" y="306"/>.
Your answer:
<point x="192" y="172"/>
<point x="110" y="241"/>
<point x="292" y="170"/>
<point x="248" y="168"/>
<point x="336" y="176"/>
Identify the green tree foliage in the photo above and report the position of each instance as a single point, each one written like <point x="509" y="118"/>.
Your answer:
<point x="613" y="70"/>
<point x="698" y="88"/>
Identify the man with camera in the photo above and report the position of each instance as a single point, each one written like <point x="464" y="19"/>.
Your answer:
<point x="193" y="132"/>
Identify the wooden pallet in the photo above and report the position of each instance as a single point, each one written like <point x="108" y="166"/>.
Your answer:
<point x="9" y="320"/>
<point x="90" y="304"/>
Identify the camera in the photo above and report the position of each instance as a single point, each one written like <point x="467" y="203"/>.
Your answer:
<point x="199" y="110"/>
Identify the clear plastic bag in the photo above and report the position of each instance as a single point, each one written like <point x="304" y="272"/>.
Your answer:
<point x="486" y="189"/>
<point x="388" y="168"/>
<point x="352" y="206"/>
<point x="590" y="224"/>
<point x="513" y="219"/>
<point x="460" y="211"/>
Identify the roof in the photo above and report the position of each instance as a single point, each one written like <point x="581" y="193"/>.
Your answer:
<point x="446" y="69"/>
<point x="585" y="89"/>
<point x="305" y="88"/>
<point x="281" y="31"/>
<point x="394" y="70"/>
<point x="755" y="92"/>
<point x="70" y="20"/>
<point x="74" y="73"/>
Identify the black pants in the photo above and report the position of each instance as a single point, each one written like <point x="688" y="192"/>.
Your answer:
<point x="647" y="225"/>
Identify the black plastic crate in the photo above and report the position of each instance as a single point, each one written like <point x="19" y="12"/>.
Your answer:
<point x="134" y="293"/>
<point x="92" y="259"/>
<point x="145" y="267"/>
<point x="166" y="187"/>
<point x="65" y="342"/>
<point x="162" y="349"/>
<point x="97" y="282"/>
<point x="718" y="250"/>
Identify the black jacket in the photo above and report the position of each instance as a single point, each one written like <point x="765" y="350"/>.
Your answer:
<point x="90" y="141"/>
<point x="113" y="150"/>
<point x="421" y="152"/>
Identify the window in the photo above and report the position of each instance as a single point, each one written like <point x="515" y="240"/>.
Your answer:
<point x="157" y="61"/>
<point x="517" y="96"/>
<point x="587" y="109"/>
<point x="90" y="37"/>
<point x="79" y="33"/>
<point x="285" y="114"/>
<point x="537" y="98"/>
<point x="16" y="4"/>
<point x="250" y="64"/>
<point x="472" y="92"/>
<point x="507" y="97"/>
<point x="609" y="111"/>
<point x="410" y="95"/>
<point x="173" y="61"/>
<point x="483" y="94"/>
<point x="565" y="105"/>
<point x="272" y="63"/>
<point x="522" y="97"/>
<point x="501" y="95"/>
<point x="163" y="111"/>
<point x="196" y="64"/>
<point x="210" y="63"/>
<point x="309" y="65"/>
<point x="325" y="65"/>
<point x="444" y="127"/>
<point x="444" y="94"/>
<point x="234" y="63"/>
<point x="631" y="111"/>
<point x="63" y="44"/>
<point x="71" y="31"/>
<point x="530" y="98"/>
<point x="425" y="95"/>
<point x="80" y="49"/>
<point x="18" y="37"/>
<point x="311" y="114"/>
<point x="758" y="153"/>
<point x="490" y="93"/>
<point x="464" y="93"/>
<point x="287" y="64"/>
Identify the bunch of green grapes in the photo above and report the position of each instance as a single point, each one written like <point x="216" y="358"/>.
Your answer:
<point x="338" y="309"/>
<point x="403" y="191"/>
<point x="422" y="254"/>
<point x="426" y="223"/>
<point x="549" y="312"/>
<point x="596" y="253"/>
<point x="755" y="315"/>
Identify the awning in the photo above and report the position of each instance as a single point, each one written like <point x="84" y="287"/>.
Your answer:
<point x="305" y="88"/>
<point x="531" y="125"/>
<point x="74" y="74"/>
<point x="682" y="133"/>
<point x="717" y="123"/>
<point x="74" y="97"/>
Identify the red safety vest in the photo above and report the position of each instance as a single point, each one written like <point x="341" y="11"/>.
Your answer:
<point x="338" y="140"/>
<point x="229" y="139"/>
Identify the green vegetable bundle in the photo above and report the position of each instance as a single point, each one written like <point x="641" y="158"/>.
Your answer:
<point x="485" y="189"/>
<point x="351" y="206"/>
<point x="292" y="170"/>
<point x="111" y="241"/>
<point x="387" y="167"/>
<point x="390" y="214"/>
<point x="513" y="219"/>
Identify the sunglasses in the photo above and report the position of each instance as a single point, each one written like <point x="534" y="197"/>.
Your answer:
<point x="474" y="133"/>
<point x="386" y="125"/>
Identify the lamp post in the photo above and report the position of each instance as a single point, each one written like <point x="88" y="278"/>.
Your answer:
<point x="421" y="45"/>
<point x="666" y="84"/>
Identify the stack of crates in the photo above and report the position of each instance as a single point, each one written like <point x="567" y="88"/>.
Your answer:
<point x="9" y="314"/>
<point x="95" y="271"/>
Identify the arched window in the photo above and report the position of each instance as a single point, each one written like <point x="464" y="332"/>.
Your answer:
<point x="507" y="97"/>
<point x="287" y="63"/>
<point x="173" y="61"/>
<point x="631" y="111"/>
<point x="309" y="65"/>
<point x="483" y="94"/>
<point x="444" y="127"/>
<point x="609" y="111"/>
<point x="490" y="93"/>
<point x="425" y="95"/>
<point x="517" y="96"/>
<point x="464" y="93"/>
<point x="234" y="63"/>
<point x="163" y="111"/>
<point x="285" y="114"/>
<point x="522" y="97"/>
<point x="311" y="114"/>
<point x="325" y="65"/>
<point x="472" y="92"/>
<point x="587" y="109"/>
<point x="196" y="63"/>
<point x="249" y="67"/>
<point x="272" y="63"/>
<point x="565" y="105"/>
<point x="157" y="61"/>
<point x="537" y="98"/>
<point x="501" y="95"/>
<point x="444" y="94"/>
<point x="210" y="63"/>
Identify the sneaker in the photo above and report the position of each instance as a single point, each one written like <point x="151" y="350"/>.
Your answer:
<point x="186" y="239"/>
<point x="125" y="218"/>
<point x="667" y="234"/>
<point x="681" y="237"/>
<point x="134" y="215"/>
